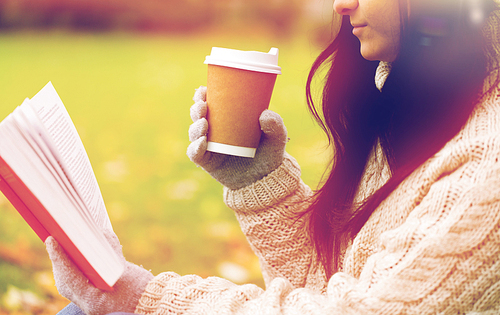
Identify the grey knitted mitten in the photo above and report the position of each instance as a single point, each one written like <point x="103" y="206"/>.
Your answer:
<point x="232" y="171"/>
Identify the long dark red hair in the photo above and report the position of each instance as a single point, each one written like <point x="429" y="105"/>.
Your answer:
<point x="431" y="91"/>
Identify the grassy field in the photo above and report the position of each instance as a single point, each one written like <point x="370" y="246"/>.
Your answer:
<point x="129" y="97"/>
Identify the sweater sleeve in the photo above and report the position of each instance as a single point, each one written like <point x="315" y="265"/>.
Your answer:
<point x="271" y="213"/>
<point x="444" y="256"/>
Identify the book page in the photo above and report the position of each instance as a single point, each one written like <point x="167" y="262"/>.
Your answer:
<point x="35" y="178"/>
<point x="31" y="128"/>
<point x="74" y="160"/>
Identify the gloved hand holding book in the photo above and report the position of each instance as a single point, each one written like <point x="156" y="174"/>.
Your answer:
<point x="74" y="286"/>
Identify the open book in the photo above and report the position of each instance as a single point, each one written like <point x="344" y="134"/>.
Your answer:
<point x="46" y="175"/>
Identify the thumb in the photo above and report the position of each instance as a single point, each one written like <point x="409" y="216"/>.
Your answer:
<point x="271" y="149"/>
<point x="273" y="126"/>
<point x="114" y="242"/>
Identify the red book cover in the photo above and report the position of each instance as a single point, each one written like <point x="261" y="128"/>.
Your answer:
<point x="20" y="206"/>
<point x="40" y="220"/>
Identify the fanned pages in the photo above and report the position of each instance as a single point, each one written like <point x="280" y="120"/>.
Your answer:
<point x="47" y="176"/>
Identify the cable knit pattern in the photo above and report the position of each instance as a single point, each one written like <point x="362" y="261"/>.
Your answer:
<point x="431" y="247"/>
<point x="383" y="70"/>
<point x="277" y="185"/>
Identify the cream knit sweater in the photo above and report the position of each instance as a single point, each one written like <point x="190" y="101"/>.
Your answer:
<point x="432" y="247"/>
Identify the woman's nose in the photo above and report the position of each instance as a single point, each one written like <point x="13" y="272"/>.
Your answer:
<point x="345" y="7"/>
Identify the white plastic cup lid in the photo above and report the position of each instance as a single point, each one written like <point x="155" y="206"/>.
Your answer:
<point x="246" y="60"/>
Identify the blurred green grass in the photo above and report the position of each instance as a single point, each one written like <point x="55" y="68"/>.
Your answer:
<point x="129" y="97"/>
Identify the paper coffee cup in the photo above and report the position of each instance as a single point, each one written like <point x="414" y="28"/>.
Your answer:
<point x="239" y="89"/>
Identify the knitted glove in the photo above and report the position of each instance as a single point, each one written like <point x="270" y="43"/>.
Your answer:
<point x="74" y="286"/>
<point x="232" y="171"/>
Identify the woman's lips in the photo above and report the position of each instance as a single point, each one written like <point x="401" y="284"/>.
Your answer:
<point x="357" y="29"/>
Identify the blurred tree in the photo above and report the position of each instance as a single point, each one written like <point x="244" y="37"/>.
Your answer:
<point x="281" y="16"/>
<point x="103" y="15"/>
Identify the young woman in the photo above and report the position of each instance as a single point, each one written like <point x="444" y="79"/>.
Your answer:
<point x="408" y="219"/>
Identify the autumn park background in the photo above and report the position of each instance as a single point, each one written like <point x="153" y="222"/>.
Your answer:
<point x="126" y="71"/>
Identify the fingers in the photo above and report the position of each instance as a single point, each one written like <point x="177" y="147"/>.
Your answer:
<point x="198" y="110"/>
<point x="272" y="125"/>
<point x="200" y="95"/>
<point x="197" y="149"/>
<point x="198" y="129"/>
